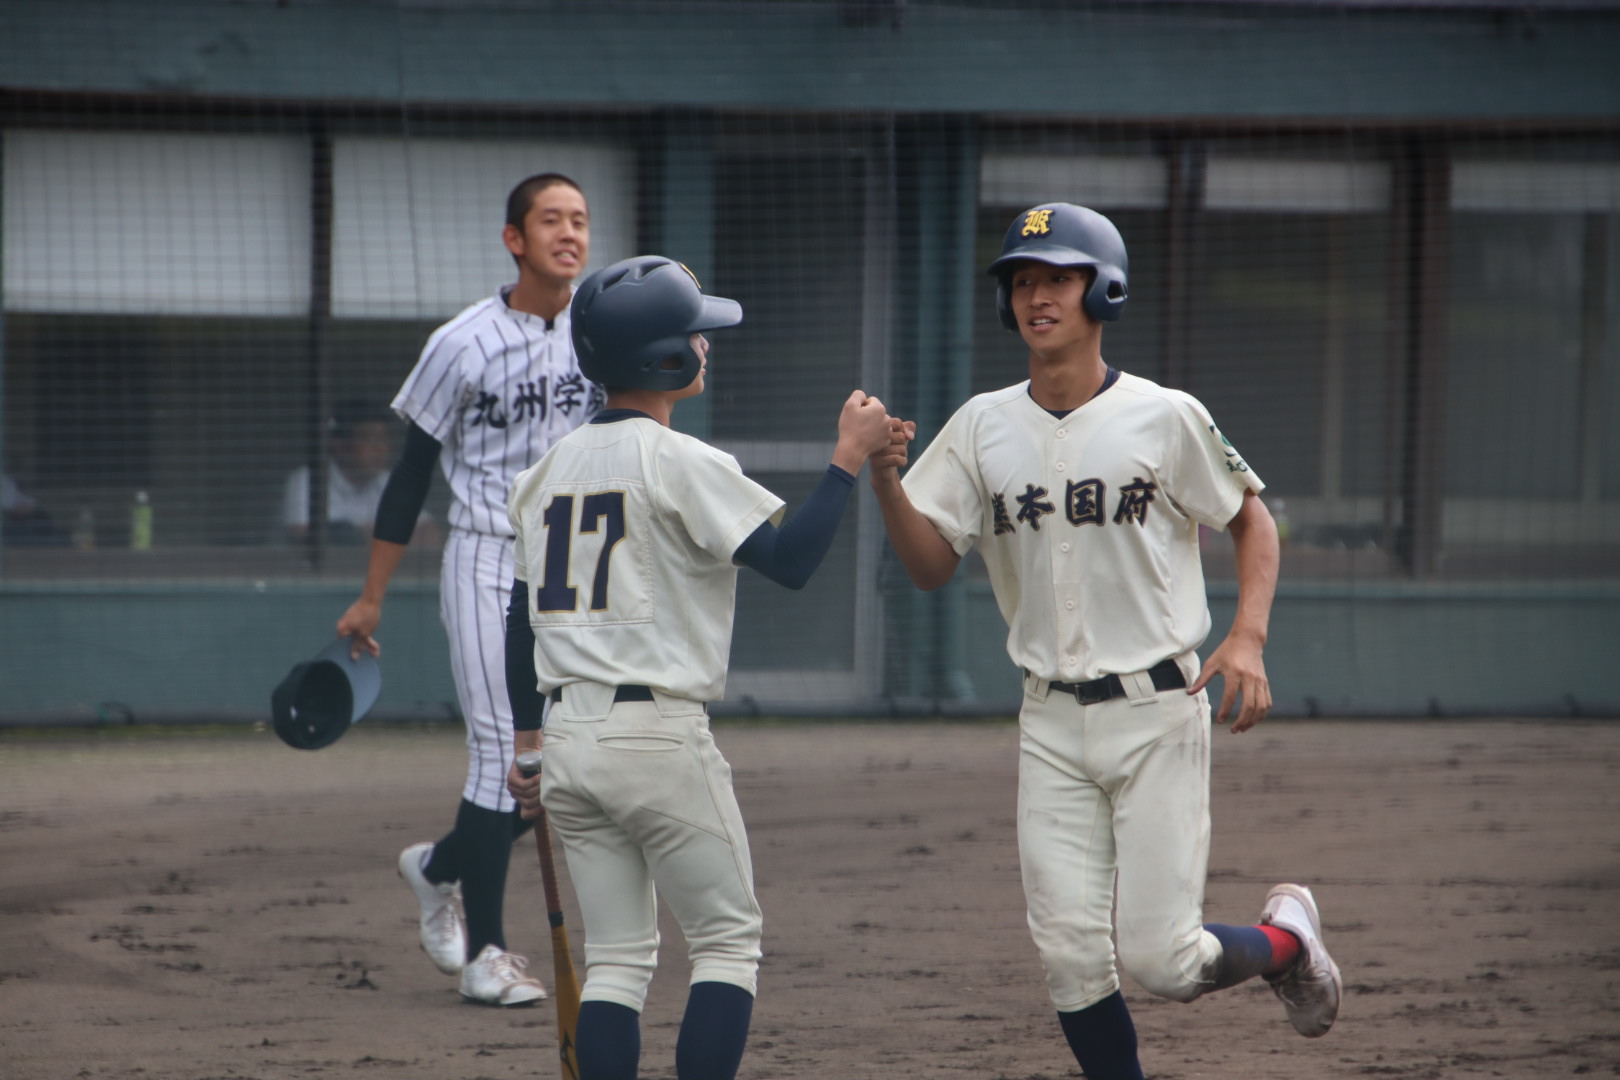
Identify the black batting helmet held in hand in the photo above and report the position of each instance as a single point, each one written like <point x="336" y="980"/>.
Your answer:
<point x="321" y="698"/>
<point x="633" y="322"/>
<point x="1063" y="234"/>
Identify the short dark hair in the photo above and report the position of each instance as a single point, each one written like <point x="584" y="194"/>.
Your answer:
<point x="350" y="413"/>
<point x="521" y="200"/>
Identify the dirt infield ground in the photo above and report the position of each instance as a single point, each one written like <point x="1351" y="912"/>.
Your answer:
<point x="182" y="905"/>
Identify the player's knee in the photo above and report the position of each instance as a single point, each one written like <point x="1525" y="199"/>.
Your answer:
<point x="621" y="972"/>
<point x="1162" y="972"/>
<point x="727" y="950"/>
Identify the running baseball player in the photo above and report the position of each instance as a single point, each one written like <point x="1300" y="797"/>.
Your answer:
<point x="494" y="388"/>
<point x="1083" y="487"/>
<point x="628" y="540"/>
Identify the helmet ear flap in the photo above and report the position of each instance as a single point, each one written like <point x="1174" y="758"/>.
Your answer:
<point x="1105" y="299"/>
<point x="1004" y="303"/>
<point x="671" y="364"/>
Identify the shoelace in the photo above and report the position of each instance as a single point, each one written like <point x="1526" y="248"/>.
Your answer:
<point x="514" y="966"/>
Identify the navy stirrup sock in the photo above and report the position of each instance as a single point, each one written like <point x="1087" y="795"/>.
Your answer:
<point x="476" y="852"/>
<point x="1245" y="953"/>
<point x="608" y="1040"/>
<point x="1103" y="1039"/>
<point x="714" y="1032"/>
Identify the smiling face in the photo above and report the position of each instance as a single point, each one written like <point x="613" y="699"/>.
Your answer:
<point x="1047" y="301"/>
<point x="555" y="240"/>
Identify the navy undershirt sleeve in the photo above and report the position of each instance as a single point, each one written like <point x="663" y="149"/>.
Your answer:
<point x="789" y="555"/>
<point x="528" y="706"/>
<point x="407" y="489"/>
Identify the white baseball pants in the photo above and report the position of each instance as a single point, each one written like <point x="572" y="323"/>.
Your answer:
<point x="642" y="800"/>
<point x="1117" y="793"/>
<point x="475" y="584"/>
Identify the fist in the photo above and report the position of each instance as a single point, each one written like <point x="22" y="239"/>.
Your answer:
<point x="863" y="424"/>
<point x="894" y="453"/>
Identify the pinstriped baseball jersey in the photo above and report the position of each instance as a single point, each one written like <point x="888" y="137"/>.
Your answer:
<point x="625" y="536"/>
<point x="1105" y="504"/>
<point x="496" y="388"/>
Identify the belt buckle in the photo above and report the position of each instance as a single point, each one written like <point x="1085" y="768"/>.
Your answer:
<point x="1091" y="693"/>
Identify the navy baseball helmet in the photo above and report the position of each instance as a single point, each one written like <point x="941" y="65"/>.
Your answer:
<point x="632" y="323"/>
<point x="1063" y="234"/>
<point x="320" y="698"/>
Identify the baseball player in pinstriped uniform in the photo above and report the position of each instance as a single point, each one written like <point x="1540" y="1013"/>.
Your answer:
<point x="628" y="540"/>
<point x="494" y="388"/>
<point x="1084" y="488"/>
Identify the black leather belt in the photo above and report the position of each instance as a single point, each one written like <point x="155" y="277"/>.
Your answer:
<point x="628" y="692"/>
<point x="1166" y="675"/>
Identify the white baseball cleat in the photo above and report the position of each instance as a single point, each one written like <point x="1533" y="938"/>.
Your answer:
<point x="444" y="938"/>
<point x="1311" y="989"/>
<point x="500" y="978"/>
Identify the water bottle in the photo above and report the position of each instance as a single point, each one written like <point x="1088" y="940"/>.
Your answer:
<point x="140" y="523"/>
<point x="84" y="530"/>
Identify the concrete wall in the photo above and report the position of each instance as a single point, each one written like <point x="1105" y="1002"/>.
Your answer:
<point x="166" y="653"/>
<point x="1402" y="649"/>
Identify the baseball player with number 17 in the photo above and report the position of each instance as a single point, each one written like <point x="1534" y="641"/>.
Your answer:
<point x="629" y="536"/>
<point x="1084" y="487"/>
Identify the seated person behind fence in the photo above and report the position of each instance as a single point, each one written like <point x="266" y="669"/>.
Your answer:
<point x="359" y="452"/>
<point x="26" y="522"/>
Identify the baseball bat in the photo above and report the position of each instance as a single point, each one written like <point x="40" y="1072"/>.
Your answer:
<point x="566" y="981"/>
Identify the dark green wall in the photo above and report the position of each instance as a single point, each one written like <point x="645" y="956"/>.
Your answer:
<point x="1122" y="60"/>
<point x="1403" y="649"/>
<point x="167" y="650"/>
<point x="164" y="652"/>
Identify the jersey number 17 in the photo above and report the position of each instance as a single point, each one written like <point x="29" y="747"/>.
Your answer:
<point x="555" y="594"/>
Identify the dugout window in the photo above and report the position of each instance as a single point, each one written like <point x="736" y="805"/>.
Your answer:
<point x="184" y="309"/>
<point x="156" y="295"/>
<point x="1288" y="343"/>
<point x="1532" y="458"/>
<point x="416" y="223"/>
<point x="794" y="241"/>
<point x="786" y="230"/>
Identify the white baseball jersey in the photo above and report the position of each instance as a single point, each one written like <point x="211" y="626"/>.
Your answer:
<point x="345" y="501"/>
<point x="1088" y="524"/>
<point x="625" y="535"/>
<point x="496" y="388"/>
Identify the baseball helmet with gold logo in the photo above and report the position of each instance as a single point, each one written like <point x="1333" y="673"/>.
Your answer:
<point x="1063" y="234"/>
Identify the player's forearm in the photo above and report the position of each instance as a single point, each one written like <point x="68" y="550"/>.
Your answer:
<point x="385" y="559"/>
<point x="929" y="559"/>
<point x="789" y="555"/>
<point x="522" y="685"/>
<point x="1254" y="540"/>
<point x="405" y="494"/>
<point x="849" y="456"/>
